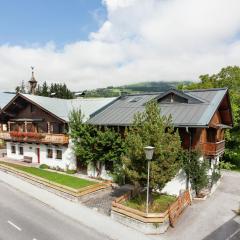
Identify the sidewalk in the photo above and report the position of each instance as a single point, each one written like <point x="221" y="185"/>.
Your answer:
<point x="75" y="211"/>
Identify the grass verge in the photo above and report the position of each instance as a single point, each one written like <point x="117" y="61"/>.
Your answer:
<point x="160" y="202"/>
<point x="69" y="181"/>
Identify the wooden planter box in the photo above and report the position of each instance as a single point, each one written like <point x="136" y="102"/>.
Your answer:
<point x="151" y="223"/>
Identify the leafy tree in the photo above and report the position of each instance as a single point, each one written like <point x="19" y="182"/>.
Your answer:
<point x="92" y="145"/>
<point x="195" y="169"/>
<point x="150" y="128"/>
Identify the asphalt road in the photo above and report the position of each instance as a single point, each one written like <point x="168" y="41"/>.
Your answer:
<point x="24" y="218"/>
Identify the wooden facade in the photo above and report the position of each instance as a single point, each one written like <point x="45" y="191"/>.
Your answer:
<point x="210" y="139"/>
<point x="24" y="121"/>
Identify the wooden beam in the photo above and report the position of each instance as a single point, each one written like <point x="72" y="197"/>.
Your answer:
<point x="10" y="114"/>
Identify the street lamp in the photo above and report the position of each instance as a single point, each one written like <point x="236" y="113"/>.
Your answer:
<point x="149" y="155"/>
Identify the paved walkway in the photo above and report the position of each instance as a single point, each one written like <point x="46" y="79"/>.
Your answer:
<point x="213" y="219"/>
<point x="102" y="200"/>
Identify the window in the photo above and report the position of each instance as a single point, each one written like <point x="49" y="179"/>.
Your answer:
<point x="13" y="149"/>
<point x="32" y="108"/>
<point x="21" y="150"/>
<point x="135" y="99"/>
<point x="49" y="153"/>
<point x="58" y="154"/>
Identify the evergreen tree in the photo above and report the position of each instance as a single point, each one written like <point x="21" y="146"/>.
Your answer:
<point x="151" y="129"/>
<point x="44" y="90"/>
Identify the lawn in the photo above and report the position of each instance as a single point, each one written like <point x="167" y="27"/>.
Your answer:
<point x="236" y="169"/>
<point x="160" y="202"/>
<point x="59" y="178"/>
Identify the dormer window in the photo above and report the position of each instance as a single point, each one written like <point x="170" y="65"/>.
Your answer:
<point x="175" y="96"/>
<point x="135" y="99"/>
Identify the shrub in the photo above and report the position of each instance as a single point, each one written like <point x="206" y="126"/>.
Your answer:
<point x="226" y="165"/>
<point x="195" y="169"/>
<point x="44" y="166"/>
<point x="71" y="171"/>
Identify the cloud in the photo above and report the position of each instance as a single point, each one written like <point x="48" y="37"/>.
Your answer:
<point x="140" y="40"/>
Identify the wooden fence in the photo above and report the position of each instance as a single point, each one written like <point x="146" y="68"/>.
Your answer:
<point x="176" y="208"/>
<point x="172" y="213"/>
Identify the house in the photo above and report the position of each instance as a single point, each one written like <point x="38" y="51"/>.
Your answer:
<point x="35" y="128"/>
<point x="201" y="116"/>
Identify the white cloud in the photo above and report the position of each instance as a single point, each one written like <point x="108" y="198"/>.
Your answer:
<point x="141" y="40"/>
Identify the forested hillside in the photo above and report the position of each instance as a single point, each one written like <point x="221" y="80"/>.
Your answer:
<point x="132" y="88"/>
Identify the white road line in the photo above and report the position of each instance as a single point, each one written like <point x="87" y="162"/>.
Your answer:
<point x="14" y="225"/>
<point x="232" y="235"/>
<point x="34" y="239"/>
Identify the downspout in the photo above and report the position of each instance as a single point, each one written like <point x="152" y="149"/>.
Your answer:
<point x="189" y="154"/>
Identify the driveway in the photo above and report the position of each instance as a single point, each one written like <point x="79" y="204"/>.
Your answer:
<point x="213" y="219"/>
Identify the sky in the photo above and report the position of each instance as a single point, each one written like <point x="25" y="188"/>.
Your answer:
<point x="90" y="44"/>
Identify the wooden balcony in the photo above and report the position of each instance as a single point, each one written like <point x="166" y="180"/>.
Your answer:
<point x="33" y="137"/>
<point x="213" y="149"/>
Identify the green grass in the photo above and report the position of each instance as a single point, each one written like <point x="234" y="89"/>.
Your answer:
<point x="59" y="178"/>
<point x="236" y="169"/>
<point x="160" y="202"/>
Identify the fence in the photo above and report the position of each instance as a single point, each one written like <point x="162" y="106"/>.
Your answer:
<point x="176" y="208"/>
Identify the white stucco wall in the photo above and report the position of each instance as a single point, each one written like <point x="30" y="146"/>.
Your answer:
<point x="177" y="184"/>
<point x="68" y="158"/>
<point x="91" y="171"/>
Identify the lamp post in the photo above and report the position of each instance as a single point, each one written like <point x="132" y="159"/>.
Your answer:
<point x="149" y="155"/>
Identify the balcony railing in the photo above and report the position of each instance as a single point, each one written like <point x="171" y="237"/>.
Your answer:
<point x="33" y="137"/>
<point x="213" y="149"/>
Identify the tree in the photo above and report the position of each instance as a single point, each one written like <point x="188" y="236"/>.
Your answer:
<point x="150" y="128"/>
<point x="21" y="88"/>
<point x="44" y="90"/>
<point x="195" y="169"/>
<point x="92" y="145"/>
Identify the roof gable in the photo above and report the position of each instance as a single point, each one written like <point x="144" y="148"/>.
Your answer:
<point x="175" y="96"/>
<point x="61" y="108"/>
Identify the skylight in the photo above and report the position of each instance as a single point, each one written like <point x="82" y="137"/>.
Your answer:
<point x="135" y="99"/>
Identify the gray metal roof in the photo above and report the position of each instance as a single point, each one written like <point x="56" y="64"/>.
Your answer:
<point x="5" y="98"/>
<point x="62" y="107"/>
<point x="194" y="113"/>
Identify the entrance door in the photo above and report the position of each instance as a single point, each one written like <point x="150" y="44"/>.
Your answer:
<point x="38" y="154"/>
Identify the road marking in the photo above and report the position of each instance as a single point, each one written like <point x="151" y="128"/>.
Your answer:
<point x="14" y="225"/>
<point x="232" y="235"/>
<point x="34" y="239"/>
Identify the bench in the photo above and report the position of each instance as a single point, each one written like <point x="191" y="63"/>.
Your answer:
<point x="27" y="159"/>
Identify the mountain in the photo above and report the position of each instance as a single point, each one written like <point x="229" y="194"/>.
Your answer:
<point x="133" y="88"/>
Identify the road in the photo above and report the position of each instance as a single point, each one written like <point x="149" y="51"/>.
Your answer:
<point x="24" y="218"/>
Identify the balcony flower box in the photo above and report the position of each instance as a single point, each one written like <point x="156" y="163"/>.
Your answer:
<point x="33" y="135"/>
<point x="16" y="134"/>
